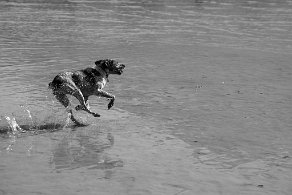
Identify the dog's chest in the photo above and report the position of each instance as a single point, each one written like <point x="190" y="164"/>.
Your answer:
<point x="102" y="82"/>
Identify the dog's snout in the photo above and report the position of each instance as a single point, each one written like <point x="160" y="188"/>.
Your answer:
<point x="122" y="66"/>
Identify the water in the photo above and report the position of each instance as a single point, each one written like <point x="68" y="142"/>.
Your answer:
<point x="203" y="107"/>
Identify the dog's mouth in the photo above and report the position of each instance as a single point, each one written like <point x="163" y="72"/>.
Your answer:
<point x="120" y="69"/>
<point x="117" y="69"/>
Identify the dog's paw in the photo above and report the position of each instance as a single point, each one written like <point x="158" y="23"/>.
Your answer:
<point x="79" y="107"/>
<point x="110" y="104"/>
<point x="96" y="115"/>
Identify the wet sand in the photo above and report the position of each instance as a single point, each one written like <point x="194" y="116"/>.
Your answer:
<point x="125" y="154"/>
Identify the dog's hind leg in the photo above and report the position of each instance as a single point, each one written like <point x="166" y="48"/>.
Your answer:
<point x="74" y="120"/>
<point x="79" y="107"/>
<point x="83" y="105"/>
<point x="63" y="99"/>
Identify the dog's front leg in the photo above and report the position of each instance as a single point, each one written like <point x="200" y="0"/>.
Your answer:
<point x="106" y="95"/>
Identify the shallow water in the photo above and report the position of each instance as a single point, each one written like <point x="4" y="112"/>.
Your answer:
<point x="203" y="107"/>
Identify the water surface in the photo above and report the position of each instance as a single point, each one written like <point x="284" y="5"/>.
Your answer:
<point x="204" y="104"/>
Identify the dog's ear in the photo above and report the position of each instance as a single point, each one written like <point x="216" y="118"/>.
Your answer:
<point x="98" y="62"/>
<point x="103" y="63"/>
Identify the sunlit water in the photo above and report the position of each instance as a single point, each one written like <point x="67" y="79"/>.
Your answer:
<point x="204" y="105"/>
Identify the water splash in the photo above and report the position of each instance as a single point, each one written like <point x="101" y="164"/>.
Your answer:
<point x="48" y="116"/>
<point x="33" y="119"/>
<point x="28" y="120"/>
<point x="15" y="128"/>
<point x="29" y="114"/>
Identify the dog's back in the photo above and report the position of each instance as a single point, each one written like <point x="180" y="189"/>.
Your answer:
<point x="86" y="80"/>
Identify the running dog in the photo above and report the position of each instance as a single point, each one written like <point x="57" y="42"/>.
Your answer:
<point x="84" y="83"/>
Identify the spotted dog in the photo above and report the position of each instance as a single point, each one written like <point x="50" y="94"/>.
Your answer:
<point x="84" y="83"/>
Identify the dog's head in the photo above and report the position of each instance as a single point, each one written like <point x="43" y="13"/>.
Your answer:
<point x="110" y="66"/>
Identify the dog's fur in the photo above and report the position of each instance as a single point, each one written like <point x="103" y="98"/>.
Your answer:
<point x="84" y="83"/>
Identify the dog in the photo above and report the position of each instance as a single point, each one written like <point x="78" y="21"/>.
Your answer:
<point x="84" y="83"/>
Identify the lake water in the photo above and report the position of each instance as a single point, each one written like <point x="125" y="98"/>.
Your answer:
<point x="204" y="105"/>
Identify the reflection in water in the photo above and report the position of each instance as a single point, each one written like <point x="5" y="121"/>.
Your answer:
<point x="82" y="150"/>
